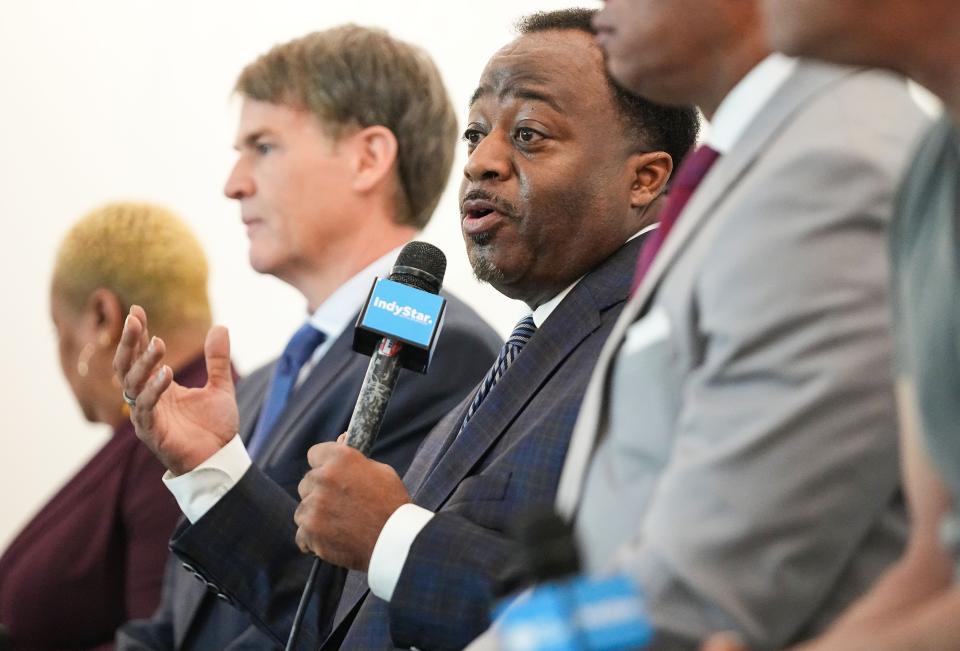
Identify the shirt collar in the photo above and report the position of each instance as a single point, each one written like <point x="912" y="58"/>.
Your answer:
<point x="340" y="309"/>
<point x="546" y="309"/>
<point x="747" y="99"/>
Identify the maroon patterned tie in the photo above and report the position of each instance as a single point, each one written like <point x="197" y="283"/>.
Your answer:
<point x="691" y="172"/>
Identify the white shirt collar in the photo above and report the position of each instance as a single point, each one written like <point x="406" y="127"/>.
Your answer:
<point x="546" y="309"/>
<point x="748" y="97"/>
<point x="339" y="310"/>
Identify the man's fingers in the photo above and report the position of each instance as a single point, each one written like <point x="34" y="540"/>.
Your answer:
<point x="143" y="368"/>
<point x="141" y="315"/>
<point x="147" y="398"/>
<point x="305" y="486"/>
<point x="300" y="517"/>
<point x="342" y="439"/>
<point x="216" y="350"/>
<point x="302" y="541"/>
<point x="126" y="349"/>
<point x="320" y="454"/>
<point x="154" y="388"/>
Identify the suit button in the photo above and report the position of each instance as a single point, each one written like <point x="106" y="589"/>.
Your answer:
<point x="225" y="598"/>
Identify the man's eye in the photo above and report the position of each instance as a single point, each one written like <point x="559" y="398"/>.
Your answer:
<point x="472" y="136"/>
<point x="263" y="147"/>
<point x="526" y="134"/>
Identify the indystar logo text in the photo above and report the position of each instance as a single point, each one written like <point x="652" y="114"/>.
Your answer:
<point x="403" y="311"/>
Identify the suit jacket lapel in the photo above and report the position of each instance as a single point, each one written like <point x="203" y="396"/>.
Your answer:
<point x="354" y="589"/>
<point x="326" y="371"/>
<point x="436" y="444"/>
<point x="807" y="80"/>
<point x="250" y="396"/>
<point x="545" y="351"/>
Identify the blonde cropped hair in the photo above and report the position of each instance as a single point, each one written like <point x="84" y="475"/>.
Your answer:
<point x="356" y="77"/>
<point x="144" y="254"/>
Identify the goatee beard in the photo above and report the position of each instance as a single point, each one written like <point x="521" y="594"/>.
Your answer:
<point x="479" y="254"/>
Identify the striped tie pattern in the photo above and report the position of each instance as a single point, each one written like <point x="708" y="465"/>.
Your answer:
<point x="514" y="344"/>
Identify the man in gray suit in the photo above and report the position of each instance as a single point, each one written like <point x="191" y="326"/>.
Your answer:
<point x="335" y="171"/>
<point x="917" y="603"/>
<point x="736" y="450"/>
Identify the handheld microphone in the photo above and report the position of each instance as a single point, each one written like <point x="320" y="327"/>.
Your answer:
<point x="397" y="327"/>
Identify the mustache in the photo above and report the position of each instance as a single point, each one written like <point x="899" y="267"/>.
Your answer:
<point x="500" y="204"/>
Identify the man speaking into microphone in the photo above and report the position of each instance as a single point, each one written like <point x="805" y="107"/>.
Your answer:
<point x="564" y="172"/>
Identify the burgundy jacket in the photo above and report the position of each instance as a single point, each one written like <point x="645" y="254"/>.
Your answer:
<point x="93" y="557"/>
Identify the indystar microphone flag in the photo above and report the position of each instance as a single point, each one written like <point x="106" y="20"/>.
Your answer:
<point x="403" y="313"/>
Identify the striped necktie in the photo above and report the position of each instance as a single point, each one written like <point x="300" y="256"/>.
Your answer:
<point x="514" y="344"/>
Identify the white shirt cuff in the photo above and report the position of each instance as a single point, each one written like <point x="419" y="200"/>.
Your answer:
<point x="198" y="490"/>
<point x="393" y="546"/>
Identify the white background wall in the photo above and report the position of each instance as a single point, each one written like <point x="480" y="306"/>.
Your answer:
<point x="130" y="99"/>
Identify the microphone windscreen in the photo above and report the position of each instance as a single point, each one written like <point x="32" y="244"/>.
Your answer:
<point x="420" y="265"/>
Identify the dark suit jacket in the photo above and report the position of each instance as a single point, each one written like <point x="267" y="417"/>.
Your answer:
<point x="93" y="557"/>
<point x="229" y="541"/>
<point x="507" y="461"/>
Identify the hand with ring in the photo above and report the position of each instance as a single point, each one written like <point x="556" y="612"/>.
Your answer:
<point x="182" y="427"/>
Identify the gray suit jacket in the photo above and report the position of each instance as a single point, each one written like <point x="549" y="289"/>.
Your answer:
<point x="736" y="449"/>
<point x="193" y="613"/>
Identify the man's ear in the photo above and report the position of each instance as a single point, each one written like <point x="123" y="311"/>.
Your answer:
<point x="107" y="315"/>
<point x="650" y="171"/>
<point x="375" y="155"/>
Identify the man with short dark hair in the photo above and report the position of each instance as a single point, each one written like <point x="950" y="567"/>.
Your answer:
<point x="563" y="173"/>
<point x="916" y="605"/>
<point x="335" y="172"/>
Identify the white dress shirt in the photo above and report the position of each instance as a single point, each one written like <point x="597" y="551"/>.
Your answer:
<point x="748" y="97"/>
<point x="198" y="490"/>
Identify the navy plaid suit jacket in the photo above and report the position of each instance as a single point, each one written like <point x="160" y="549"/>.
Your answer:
<point x="506" y="462"/>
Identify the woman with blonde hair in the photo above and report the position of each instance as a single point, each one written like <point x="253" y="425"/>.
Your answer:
<point x="93" y="557"/>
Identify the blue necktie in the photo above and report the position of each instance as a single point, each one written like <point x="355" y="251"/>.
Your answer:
<point x="514" y="344"/>
<point x="295" y="355"/>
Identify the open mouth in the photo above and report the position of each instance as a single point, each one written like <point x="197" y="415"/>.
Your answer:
<point x="480" y="216"/>
<point x="477" y="213"/>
